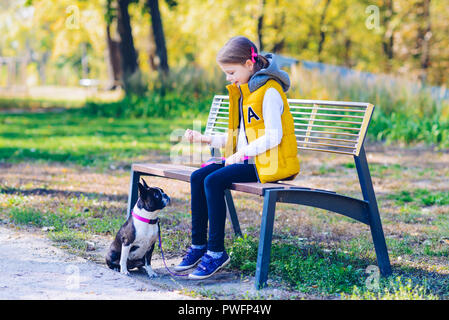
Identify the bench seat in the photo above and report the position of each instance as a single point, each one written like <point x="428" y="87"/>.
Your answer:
<point x="180" y="172"/>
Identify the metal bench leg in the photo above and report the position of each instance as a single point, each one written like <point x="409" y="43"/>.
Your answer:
<point x="232" y="213"/>
<point x="377" y="233"/>
<point x="380" y="245"/>
<point x="133" y="191"/>
<point x="266" y="234"/>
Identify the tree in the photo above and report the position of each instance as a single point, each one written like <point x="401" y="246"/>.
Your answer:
<point x="323" y="29"/>
<point x="424" y="35"/>
<point x="158" y="35"/>
<point x="113" y="54"/>
<point x="260" y="24"/>
<point x="130" y="67"/>
<point x="388" y="34"/>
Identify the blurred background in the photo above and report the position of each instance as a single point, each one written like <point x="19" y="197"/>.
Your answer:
<point x="156" y="58"/>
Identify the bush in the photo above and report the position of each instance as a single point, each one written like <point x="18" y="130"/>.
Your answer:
<point x="152" y="104"/>
<point x="185" y="92"/>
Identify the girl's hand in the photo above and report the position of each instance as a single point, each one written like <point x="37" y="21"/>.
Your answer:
<point x="193" y="136"/>
<point x="235" y="158"/>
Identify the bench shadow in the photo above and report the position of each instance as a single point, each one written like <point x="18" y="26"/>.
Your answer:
<point x="63" y="193"/>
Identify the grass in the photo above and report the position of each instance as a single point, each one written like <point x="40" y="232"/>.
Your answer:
<point x="421" y="197"/>
<point x="39" y="103"/>
<point x="72" y="137"/>
<point x="395" y="289"/>
<point x="309" y="269"/>
<point x="348" y="274"/>
<point x="69" y="239"/>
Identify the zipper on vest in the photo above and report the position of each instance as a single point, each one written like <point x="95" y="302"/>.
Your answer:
<point x="244" y="127"/>
<point x="241" y="114"/>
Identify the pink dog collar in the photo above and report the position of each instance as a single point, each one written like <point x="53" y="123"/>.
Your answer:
<point x="149" y="221"/>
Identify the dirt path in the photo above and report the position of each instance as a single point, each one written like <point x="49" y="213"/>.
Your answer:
<point x="32" y="268"/>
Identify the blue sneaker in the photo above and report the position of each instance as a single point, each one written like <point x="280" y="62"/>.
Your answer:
<point x="208" y="266"/>
<point x="192" y="257"/>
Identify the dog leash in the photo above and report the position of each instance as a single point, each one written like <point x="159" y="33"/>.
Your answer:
<point x="162" y="253"/>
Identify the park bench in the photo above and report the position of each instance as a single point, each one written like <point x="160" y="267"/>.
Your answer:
<point x="320" y="126"/>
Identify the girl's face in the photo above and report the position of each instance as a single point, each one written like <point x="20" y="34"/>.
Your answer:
<point x="237" y="73"/>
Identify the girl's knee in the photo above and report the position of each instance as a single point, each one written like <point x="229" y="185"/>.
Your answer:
<point x="213" y="181"/>
<point x="196" y="178"/>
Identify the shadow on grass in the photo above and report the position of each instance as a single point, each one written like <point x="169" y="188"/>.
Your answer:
<point x="64" y="193"/>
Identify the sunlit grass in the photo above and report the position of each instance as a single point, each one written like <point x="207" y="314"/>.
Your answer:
<point x="73" y="137"/>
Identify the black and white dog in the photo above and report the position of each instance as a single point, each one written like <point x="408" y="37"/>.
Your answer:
<point x="134" y="242"/>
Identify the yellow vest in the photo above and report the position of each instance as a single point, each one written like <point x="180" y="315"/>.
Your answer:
<point x="278" y="163"/>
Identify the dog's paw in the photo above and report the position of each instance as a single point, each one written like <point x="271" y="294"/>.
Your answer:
<point x="124" y="272"/>
<point x="151" y="274"/>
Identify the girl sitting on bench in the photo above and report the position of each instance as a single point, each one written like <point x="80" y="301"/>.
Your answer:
<point x="260" y="146"/>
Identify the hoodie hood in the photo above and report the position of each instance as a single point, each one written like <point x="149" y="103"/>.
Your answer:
<point x="271" y="72"/>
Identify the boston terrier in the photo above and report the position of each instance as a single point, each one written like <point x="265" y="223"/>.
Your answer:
<point x="134" y="243"/>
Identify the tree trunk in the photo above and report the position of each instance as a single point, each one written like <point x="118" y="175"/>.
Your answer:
<point x="423" y="37"/>
<point x="152" y="54"/>
<point x="42" y="65"/>
<point x="347" y="56"/>
<point x="279" y="26"/>
<point x="159" y="37"/>
<point x="260" y="24"/>
<point x="84" y="61"/>
<point x="388" y="37"/>
<point x="127" y="50"/>
<point x="322" y="30"/>
<point x="114" y="60"/>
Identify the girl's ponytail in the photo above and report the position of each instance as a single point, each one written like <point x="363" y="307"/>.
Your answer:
<point x="239" y="50"/>
<point x="261" y="63"/>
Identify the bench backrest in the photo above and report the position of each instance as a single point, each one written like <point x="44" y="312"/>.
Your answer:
<point x="329" y="126"/>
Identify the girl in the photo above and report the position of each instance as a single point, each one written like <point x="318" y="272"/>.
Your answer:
<point x="260" y="128"/>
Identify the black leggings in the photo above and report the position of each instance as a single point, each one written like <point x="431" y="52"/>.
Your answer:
<point x="207" y="200"/>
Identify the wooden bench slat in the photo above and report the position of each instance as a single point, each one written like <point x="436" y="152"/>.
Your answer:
<point x="181" y="172"/>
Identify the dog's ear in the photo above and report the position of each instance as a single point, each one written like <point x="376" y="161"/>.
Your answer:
<point x="145" y="184"/>
<point x="141" y="189"/>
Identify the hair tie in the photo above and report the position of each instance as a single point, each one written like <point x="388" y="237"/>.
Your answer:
<point x="253" y="55"/>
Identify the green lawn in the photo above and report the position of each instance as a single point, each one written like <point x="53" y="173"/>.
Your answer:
<point x="89" y="141"/>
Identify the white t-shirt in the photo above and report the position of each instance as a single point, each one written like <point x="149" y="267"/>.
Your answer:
<point x="272" y="109"/>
